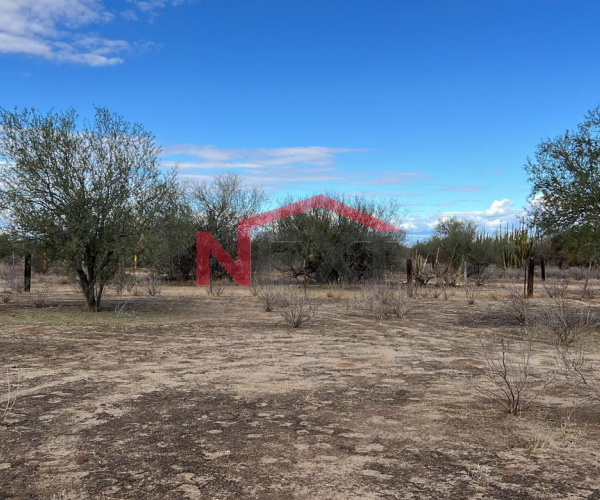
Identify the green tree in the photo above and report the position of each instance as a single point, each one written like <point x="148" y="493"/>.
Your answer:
<point x="88" y="191"/>
<point x="321" y="245"/>
<point x="456" y="240"/>
<point x="565" y="178"/>
<point x="168" y="246"/>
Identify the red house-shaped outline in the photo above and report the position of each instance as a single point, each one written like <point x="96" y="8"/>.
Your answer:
<point x="206" y="244"/>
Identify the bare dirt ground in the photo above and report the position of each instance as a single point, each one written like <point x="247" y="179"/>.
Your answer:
<point x="190" y="396"/>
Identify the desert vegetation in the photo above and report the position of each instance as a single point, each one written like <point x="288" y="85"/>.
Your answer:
<point x="356" y="365"/>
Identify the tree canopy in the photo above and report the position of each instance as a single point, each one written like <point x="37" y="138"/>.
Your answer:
<point x="565" y="178"/>
<point x="90" y="191"/>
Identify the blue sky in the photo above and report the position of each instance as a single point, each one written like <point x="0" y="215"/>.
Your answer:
<point x="435" y="103"/>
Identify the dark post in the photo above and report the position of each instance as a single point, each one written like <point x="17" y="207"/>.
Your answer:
<point x="409" y="276"/>
<point x="543" y="268"/>
<point x="530" y="271"/>
<point x="27" y="274"/>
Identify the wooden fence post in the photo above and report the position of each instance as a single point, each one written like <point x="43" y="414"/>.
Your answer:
<point x="409" y="276"/>
<point x="543" y="268"/>
<point x="27" y="273"/>
<point x="530" y="271"/>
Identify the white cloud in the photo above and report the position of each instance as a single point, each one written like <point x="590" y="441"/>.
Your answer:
<point x="48" y="28"/>
<point x="499" y="207"/>
<point x="151" y="7"/>
<point x="496" y="216"/>
<point x="56" y="29"/>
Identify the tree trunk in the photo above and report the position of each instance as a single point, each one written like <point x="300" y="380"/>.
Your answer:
<point x="543" y="268"/>
<point x="530" y="271"/>
<point x="88" y="287"/>
<point x="27" y="273"/>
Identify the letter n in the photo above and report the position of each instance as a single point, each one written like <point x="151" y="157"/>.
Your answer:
<point x="206" y="244"/>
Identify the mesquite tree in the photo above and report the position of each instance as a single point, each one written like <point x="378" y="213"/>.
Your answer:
<point x="565" y="177"/>
<point x="89" y="191"/>
<point x="565" y="186"/>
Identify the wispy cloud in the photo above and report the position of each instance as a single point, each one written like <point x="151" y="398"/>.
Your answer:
<point x="458" y="189"/>
<point x="58" y="30"/>
<point x="150" y="8"/>
<point x="387" y="179"/>
<point x="275" y="168"/>
<point x="210" y="157"/>
<point x="389" y="194"/>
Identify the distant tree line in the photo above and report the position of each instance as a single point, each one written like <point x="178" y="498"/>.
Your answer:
<point x="562" y="226"/>
<point x="93" y="196"/>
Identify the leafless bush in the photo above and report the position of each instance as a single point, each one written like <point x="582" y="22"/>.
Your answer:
<point x="39" y="299"/>
<point x="575" y="365"/>
<point x="422" y="291"/>
<point x="121" y="310"/>
<point x="12" y="277"/>
<point x="6" y="296"/>
<point x="335" y="290"/>
<point x="123" y="281"/>
<point x="509" y="381"/>
<point x="566" y="324"/>
<point x="215" y="289"/>
<point x="555" y="290"/>
<point x="513" y="274"/>
<point x="12" y="384"/>
<point x="577" y="273"/>
<point x="441" y="292"/>
<point x="518" y="306"/>
<point x="386" y="301"/>
<point x="153" y="284"/>
<point x="587" y="292"/>
<point x="298" y="309"/>
<point x="470" y="294"/>
<point x="270" y="296"/>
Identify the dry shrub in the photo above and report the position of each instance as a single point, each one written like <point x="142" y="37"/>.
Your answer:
<point x="215" y="289"/>
<point x="153" y="284"/>
<point x="298" y="309"/>
<point x="441" y="292"/>
<point x="39" y="299"/>
<point x="385" y="301"/>
<point x="270" y="297"/>
<point x="587" y="292"/>
<point x="123" y="281"/>
<point x="335" y="290"/>
<point x="12" y="384"/>
<point x="584" y="371"/>
<point x="566" y="324"/>
<point x="421" y="292"/>
<point x="12" y="277"/>
<point x="6" y="296"/>
<point x="517" y="305"/>
<point x="122" y="311"/>
<point x="470" y="294"/>
<point x="509" y="381"/>
<point x="555" y="290"/>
